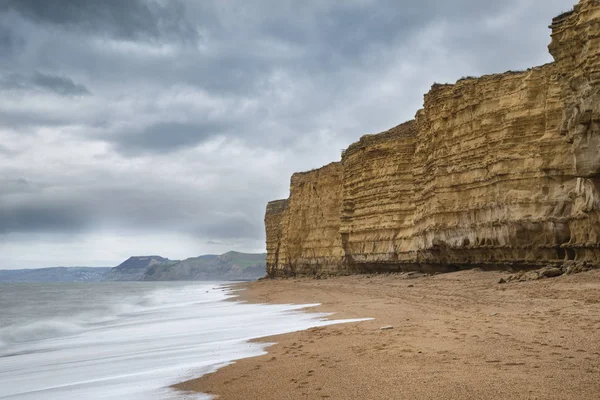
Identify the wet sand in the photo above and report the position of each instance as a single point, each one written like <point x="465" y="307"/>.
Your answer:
<point x="455" y="336"/>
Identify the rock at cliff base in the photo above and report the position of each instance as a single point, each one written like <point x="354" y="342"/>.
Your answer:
<point x="550" y="272"/>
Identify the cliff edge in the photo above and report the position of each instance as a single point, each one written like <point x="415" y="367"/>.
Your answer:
<point x="498" y="171"/>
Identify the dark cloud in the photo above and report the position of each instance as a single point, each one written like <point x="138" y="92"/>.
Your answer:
<point x="227" y="227"/>
<point x="27" y="122"/>
<point x="6" y="151"/>
<point x="9" y="43"/>
<point x="13" y="186"/>
<point x="29" y="207"/>
<point x="58" y="84"/>
<point x="166" y="137"/>
<point x="42" y="217"/>
<point x="38" y="81"/>
<point x="131" y="19"/>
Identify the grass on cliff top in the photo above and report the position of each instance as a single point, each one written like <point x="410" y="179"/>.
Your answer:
<point x="563" y="14"/>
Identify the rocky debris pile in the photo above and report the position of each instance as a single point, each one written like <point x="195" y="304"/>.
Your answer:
<point x="551" y="271"/>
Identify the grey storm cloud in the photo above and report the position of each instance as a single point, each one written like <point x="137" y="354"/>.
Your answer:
<point x="58" y="84"/>
<point x="24" y="121"/>
<point x="27" y="207"/>
<point x="167" y="136"/>
<point x="131" y="19"/>
<point x="231" y="227"/>
<point x="8" y="41"/>
<point x="39" y="81"/>
<point x="185" y="117"/>
<point x="40" y="219"/>
<point x="5" y="151"/>
<point x="18" y="185"/>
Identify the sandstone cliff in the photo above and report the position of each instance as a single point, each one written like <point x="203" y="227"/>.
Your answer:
<point x="274" y="226"/>
<point x="307" y="225"/>
<point x="502" y="170"/>
<point x="378" y="199"/>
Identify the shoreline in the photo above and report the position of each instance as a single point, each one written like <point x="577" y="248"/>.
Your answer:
<point x="454" y="336"/>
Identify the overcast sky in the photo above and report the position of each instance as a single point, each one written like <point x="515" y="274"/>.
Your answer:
<point x="164" y="127"/>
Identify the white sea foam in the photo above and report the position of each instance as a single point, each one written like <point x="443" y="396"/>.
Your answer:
<point x="38" y="330"/>
<point x="137" y="347"/>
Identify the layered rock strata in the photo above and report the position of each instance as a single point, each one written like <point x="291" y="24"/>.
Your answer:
<point x="497" y="171"/>
<point x="273" y="226"/>
<point x="378" y="203"/>
<point x="576" y="48"/>
<point x="309" y="225"/>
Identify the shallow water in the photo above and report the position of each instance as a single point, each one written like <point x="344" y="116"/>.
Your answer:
<point x="122" y="340"/>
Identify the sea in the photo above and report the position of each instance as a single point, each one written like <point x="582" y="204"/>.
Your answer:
<point x="129" y="340"/>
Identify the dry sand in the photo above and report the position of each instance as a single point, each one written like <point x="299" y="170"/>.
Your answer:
<point x="454" y="336"/>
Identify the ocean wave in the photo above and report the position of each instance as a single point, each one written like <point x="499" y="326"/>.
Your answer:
<point x="107" y="312"/>
<point x="151" y="338"/>
<point x="38" y="330"/>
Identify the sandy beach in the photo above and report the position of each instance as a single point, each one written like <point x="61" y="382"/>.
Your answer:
<point x="454" y="336"/>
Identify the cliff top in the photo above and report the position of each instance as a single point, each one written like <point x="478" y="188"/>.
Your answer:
<point x="300" y="176"/>
<point x="559" y="18"/>
<point x="277" y="206"/>
<point x="406" y="129"/>
<point x="489" y="77"/>
<point x="563" y="17"/>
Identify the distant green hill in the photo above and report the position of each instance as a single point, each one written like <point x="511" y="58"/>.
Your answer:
<point x="134" y="268"/>
<point x="229" y="266"/>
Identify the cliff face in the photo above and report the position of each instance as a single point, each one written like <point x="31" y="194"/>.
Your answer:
<point x="492" y="174"/>
<point x="274" y="225"/>
<point x="576" y="48"/>
<point x="378" y="199"/>
<point x="502" y="170"/>
<point x="307" y="225"/>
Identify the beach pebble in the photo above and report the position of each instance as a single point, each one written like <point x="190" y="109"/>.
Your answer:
<point x="386" y="328"/>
